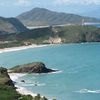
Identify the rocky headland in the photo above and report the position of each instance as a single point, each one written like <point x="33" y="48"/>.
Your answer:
<point x="35" y="67"/>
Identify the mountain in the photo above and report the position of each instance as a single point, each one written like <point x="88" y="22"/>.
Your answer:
<point x="42" y="17"/>
<point x="11" y="25"/>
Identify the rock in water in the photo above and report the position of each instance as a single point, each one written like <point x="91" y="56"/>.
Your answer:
<point x="35" y="67"/>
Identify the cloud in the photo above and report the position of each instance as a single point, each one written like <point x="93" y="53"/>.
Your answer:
<point x="23" y="2"/>
<point x="80" y="2"/>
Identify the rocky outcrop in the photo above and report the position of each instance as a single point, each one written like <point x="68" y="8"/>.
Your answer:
<point x="35" y="67"/>
<point x="4" y="77"/>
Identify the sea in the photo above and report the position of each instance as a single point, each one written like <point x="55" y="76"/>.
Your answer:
<point x="78" y="77"/>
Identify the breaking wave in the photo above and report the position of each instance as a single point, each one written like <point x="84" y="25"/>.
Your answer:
<point x="88" y="91"/>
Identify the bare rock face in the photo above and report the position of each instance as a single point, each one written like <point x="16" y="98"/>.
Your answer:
<point x="4" y="77"/>
<point x="35" y="67"/>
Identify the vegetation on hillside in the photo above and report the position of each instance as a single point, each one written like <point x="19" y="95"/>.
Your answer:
<point x="8" y="91"/>
<point x="78" y="34"/>
<point x="67" y="34"/>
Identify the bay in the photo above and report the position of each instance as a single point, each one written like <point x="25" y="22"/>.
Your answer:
<point x="79" y="65"/>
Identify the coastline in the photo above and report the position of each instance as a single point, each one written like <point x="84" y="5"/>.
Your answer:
<point x="11" y="49"/>
<point x="21" y="90"/>
<point x="15" y="76"/>
<point x="21" y="48"/>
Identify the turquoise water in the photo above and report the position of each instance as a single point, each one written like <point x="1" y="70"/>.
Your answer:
<point x="79" y="63"/>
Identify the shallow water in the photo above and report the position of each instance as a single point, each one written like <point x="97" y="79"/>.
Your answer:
<point x="79" y="64"/>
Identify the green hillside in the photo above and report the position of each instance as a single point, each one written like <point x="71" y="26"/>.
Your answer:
<point x="67" y="34"/>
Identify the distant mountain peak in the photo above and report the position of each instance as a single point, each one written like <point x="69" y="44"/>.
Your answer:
<point x="43" y="17"/>
<point x="38" y="8"/>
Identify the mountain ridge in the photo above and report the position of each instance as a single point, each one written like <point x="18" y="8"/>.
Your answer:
<point x="44" y="17"/>
<point x="11" y="25"/>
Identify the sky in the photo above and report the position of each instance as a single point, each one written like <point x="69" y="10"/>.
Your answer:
<point x="12" y="8"/>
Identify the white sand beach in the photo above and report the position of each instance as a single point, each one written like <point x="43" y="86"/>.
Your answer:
<point x="20" y="48"/>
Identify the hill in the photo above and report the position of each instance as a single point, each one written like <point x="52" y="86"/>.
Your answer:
<point x="43" y="17"/>
<point x="11" y="25"/>
<point x="61" y="34"/>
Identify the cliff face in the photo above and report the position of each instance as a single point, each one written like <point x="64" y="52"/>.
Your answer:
<point x="35" y="67"/>
<point x="4" y="77"/>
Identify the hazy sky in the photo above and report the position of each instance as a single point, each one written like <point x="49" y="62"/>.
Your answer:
<point x="11" y="8"/>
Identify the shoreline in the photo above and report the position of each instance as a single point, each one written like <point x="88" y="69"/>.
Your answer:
<point x="11" y="49"/>
<point x="22" y="90"/>
<point x="19" y="89"/>
<point x="20" y="48"/>
<point x="14" y="76"/>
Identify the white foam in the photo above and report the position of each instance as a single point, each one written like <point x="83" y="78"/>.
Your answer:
<point x="88" y="91"/>
<point x="56" y="72"/>
<point x="15" y="76"/>
<point x="21" y="89"/>
<point x="24" y="91"/>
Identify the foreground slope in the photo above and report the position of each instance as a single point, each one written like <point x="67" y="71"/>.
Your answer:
<point x="8" y="91"/>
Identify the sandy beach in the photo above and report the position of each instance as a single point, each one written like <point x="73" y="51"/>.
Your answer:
<point x="20" y="48"/>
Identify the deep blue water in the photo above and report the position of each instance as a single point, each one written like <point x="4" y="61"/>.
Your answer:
<point x="79" y="63"/>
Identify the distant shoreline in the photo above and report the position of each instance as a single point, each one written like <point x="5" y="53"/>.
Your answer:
<point x="11" y="49"/>
<point x="21" y="48"/>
